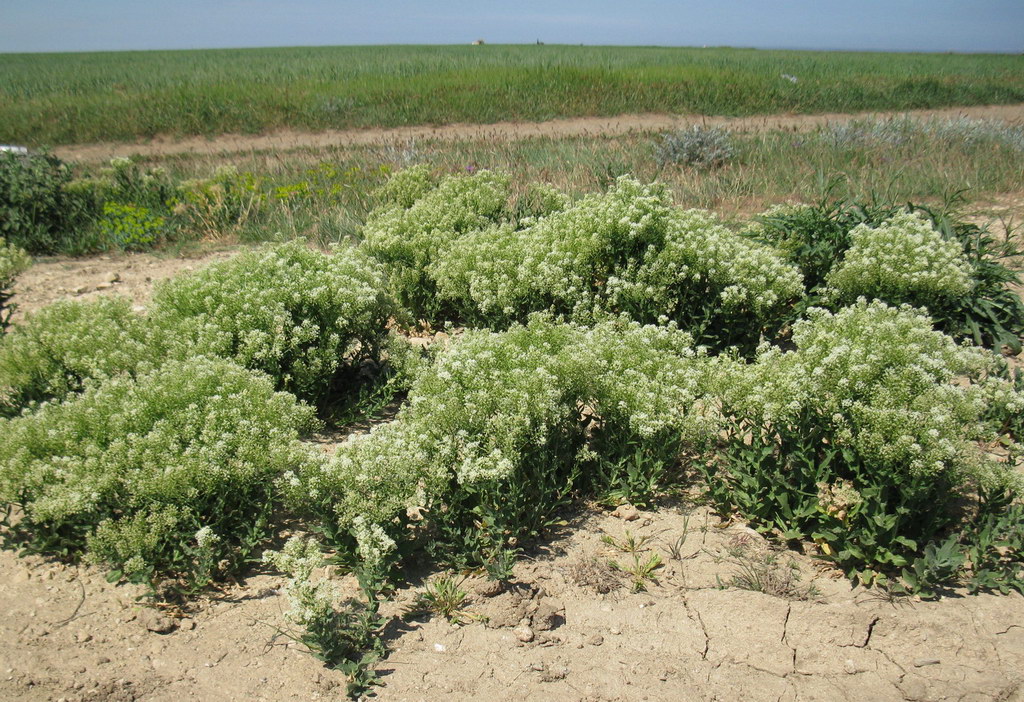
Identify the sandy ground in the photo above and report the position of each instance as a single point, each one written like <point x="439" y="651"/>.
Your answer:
<point x="501" y="131"/>
<point x="568" y="628"/>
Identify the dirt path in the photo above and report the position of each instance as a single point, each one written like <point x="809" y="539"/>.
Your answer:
<point x="504" y="131"/>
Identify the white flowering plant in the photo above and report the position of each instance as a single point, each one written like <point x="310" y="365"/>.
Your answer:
<point x="163" y="474"/>
<point x="627" y="250"/>
<point x="13" y="261"/>
<point x="344" y="633"/>
<point x="406" y="235"/>
<point x="56" y="350"/>
<point x="863" y="436"/>
<point x="309" y="320"/>
<point x="501" y="431"/>
<point x="903" y="260"/>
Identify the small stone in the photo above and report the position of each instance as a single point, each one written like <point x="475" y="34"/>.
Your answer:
<point x="550" y="614"/>
<point x="524" y="633"/>
<point x="922" y="662"/>
<point x="489" y="588"/>
<point x="83" y="637"/>
<point x="102" y="660"/>
<point x="539" y="667"/>
<point x="595" y="640"/>
<point x="113" y="278"/>
<point x="626" y="513"/>
<point x="614" y="631"/>
<point x="155" y="622"/>
<point x="440" y="648"/>
<point x="80" y="290"/>
<point x="104" y="286"/>
<point x="139" y="309"/>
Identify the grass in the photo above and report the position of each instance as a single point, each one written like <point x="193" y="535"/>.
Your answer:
<point x="766" y="168"/>
<point x="51" y="99"/>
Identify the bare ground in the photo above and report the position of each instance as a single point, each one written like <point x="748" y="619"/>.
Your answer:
<point x="567" y="629"/>
<point x="502" y="131"/>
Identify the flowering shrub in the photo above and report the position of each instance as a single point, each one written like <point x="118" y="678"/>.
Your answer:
<point x="904" y="260"/>
<point x="300" y="316"/>
<point x="55" y="351"/>
<point x="495" y="435"/>
<point x="12" y="262"/>
<point x="627" y="250"/>
<point x="160" y="475"/>
<point x="131" y="227"/>
<point x="860" y="438"/>
<point x="406" y="239"/>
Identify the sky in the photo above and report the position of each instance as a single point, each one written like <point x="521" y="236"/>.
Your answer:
<point x="885" y="25"/>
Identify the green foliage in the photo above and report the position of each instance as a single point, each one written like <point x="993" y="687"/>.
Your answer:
<point x="132" y="97"/>
<point x="36" y="213"/>
<point x="344" y="634"/>
<point x="13" y="261"/>
<point x="859" y="438"/>
<point x="56" y="350"/>
<point x="131" y="227"/>
<point x="159" y="475"/>
<point x="214" y="207"/>
<point x="307" y="319"/>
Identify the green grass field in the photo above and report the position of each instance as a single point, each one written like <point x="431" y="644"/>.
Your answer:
<point x="50" y="99"/>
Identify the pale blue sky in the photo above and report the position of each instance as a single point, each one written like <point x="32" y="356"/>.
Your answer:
<point x="892" y="25"/>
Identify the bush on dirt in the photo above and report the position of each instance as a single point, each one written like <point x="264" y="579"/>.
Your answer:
<point x="309" y="320"/>
<point x="167" y="474"/>
<point x="506" y="427"/>
<point x="55" y="351"/>
<point x="13" y="261"/>
<point x="861" y="438"/>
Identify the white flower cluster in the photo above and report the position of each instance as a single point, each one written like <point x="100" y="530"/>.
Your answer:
<point x="627" y="250"/>
<point x="903" y="260"/>
<point x="494" y="399"/>
<point x="286" y="310"/>
<point x="878" y="379"/>
<point x="57" y="349"/>
<point x="311" y="602"/>
<point x="197" y="442"/>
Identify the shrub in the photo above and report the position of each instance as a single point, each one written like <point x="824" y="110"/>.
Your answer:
<point x="861" y="438"/>
<point x="131" y="227"/>
<point x="703" y="147"/>
<point x="627" y="251"/>
<point x="407" y="239"/>
<point x="904" y="260"/>
<point x="502" y="430"/>
<point x="163" y="475"/>
<point x="55" y="351"/>
<point x="13" y="261"/>
<point x="301" y="316"/>
<point x="35" y="213"/>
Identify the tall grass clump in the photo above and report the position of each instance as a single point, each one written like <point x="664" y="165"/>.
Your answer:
<point x="507" y="427"/>
<point x="36" y="212"/>
<point x="169" y="474"/>
<point x="864" y="437"/>
<point x="701" y="147"/>
<point x="13" y="261"/>
<point x="309" y="320"/>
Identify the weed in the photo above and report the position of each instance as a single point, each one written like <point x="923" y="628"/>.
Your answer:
<point x="444" y="597"/>
<point x="630" y="543"/>
<point x="641" y="571"/>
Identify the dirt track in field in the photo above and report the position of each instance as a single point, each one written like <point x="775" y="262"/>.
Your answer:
<point x="503" y="131"/>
